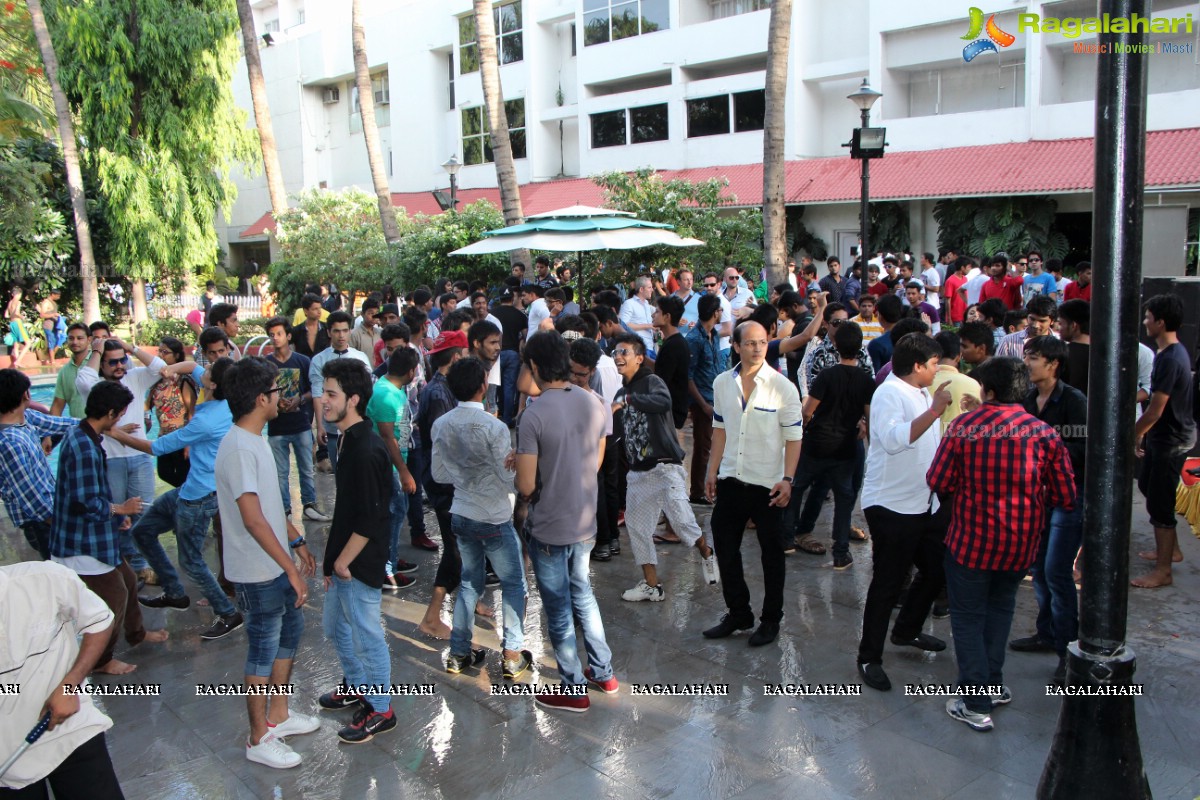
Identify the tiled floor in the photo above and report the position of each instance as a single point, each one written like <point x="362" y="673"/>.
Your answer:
<point x="463" y="743"/>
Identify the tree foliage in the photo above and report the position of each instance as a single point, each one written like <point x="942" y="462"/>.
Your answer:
<point x="889" y="227"/>
<point x="698" y="210"/>
<point x="331" y="237"/>
<point x="35" y="240"/>
<point x="423" y="256"/>
<point x="25" y="106"/>
<point x="983" y="226"/>
<point x="801" y="239"/>
<point x="150" y="83"/>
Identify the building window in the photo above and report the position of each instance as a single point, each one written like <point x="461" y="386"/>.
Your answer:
<point x="731" y="8"/>
<point x="509" y="42"/>
<point x="649" y="124"/>
<point x="608" y="129"/>
<point x="610" y="20"/>
<point x="450" y="70"/>
<point x="271" y="26"/>
<point x="380" y="92"/>
<point x="749" y="109"/>
<point x="476" y="143"/>
<point x="708" y="116"/>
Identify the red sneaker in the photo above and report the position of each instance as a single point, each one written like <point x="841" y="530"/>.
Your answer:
<point x="425" y="543"/>
<point x="577" y="703"/>
<point x="608" y="686"/>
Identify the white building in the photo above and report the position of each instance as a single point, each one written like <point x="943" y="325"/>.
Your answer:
<point x="597" y="85"/>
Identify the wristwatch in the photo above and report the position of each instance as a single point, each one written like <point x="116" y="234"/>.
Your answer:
<point x="295" y="543"/>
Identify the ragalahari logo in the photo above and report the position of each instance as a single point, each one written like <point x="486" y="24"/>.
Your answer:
<point x="995" y="36"/>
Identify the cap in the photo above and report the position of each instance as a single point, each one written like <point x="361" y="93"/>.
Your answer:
<point x="507" y="293"/>
<point x="390" y="308"/>
<point x="447" y="340"/>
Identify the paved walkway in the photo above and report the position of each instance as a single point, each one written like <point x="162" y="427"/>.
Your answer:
<point x="462" y="743"/>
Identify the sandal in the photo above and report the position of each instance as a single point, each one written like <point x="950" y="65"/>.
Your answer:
<point x="661" y="538"/>
<point x="809" y="544"/>
<point x="857" y="534"/>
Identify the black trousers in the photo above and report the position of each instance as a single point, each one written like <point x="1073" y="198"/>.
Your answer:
<point x="86" y="774"/>
<point x="736" y="504"/>
<point x="608" y="502"/>
<point x="899" y="542"/>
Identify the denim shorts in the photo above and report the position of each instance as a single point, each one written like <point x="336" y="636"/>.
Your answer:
<point x="273" y="623"/>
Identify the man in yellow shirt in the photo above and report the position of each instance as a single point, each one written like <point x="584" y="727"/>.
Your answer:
<point x="299" y="317"/>
<point x="960" y="386"/>
<point x="870" y="324"/>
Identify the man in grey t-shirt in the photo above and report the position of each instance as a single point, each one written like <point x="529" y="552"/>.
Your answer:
<point x="271" y="587"/>
<point x="560" y="444"/>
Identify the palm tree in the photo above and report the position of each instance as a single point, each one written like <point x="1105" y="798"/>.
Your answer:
<point x="493" y="102"/>
<point x="262" y="111"/>
<point x="66" y="133"/>
<point x="366" y="105"/>
<point x="774" y="215"/>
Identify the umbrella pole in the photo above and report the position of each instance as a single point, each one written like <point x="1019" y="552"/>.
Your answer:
<point x="579" y="262"/>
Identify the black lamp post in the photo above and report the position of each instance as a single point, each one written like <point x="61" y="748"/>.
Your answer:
<point x="452" y="167"/>
<point x="867" y="143"/>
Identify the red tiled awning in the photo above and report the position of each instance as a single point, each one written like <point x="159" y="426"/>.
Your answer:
<point x="1038" y="167"/>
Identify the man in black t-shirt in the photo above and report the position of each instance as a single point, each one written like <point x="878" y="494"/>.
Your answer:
<point x="357" y="551"/>
<point x="673" y="358"/>
<point x="1074" y="326"/>
<point x="292" y="429"/>
<point x="1164" y="434"/>
<point x="512" y="332"/>
<point x="838" y="400"/>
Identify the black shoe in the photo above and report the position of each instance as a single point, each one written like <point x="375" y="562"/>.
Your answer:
<point x="162" y="601"/>
<point x="1031" y="644"/>
<point x="1060" y="673"/>
<point x="491" y="579"/>
<point x="766" y="633"/>
<point x="874" y="676"/>
<point x="601" y="552"/>
<point x="336" y="701"/>
<point x="515" y="668"/>
<point x="843" y="562"/>
<point x="456" y="664"/>
<point x="397" y="581"/>
<point x="614" y="547"/>
<point x="404" y="567"/>
<point x="223" y="626"/>
<point x="941" y="610"/>
<point x="699" y="501"/>
<point x="366" y="724"/>
<point x="922" y="641"/>
<point x="727" y="627"/>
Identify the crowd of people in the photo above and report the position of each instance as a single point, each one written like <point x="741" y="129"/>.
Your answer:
<point x="947" y="397"/>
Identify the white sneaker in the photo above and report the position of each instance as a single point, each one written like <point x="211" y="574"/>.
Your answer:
<point x="313" y="512"/>
<point x="644" y="591"/>
<point x="294" y="725"/>
<point x="272" y="752"/>
<point x="956" y="708"/>
<point x="709" y="567"/>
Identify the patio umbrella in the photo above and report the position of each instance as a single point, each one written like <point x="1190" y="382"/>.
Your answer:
<point x="578" y="228"/>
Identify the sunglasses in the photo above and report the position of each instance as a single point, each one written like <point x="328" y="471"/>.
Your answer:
<point x="837" y="321"/>
<point x="711" y="285"/>
<point x="1035" y="258"/>
<point x="621" y="351"/>
<point x="117" y="362"/>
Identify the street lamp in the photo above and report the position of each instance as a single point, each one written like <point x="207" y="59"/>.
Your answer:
<point x="452" y="167"/>
<point x="866" y="143"/>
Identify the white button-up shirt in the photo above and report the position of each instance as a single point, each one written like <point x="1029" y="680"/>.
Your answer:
<point x="756" y="427"/>
<point x="896" y="467"/>
<point x="636" y="311"/>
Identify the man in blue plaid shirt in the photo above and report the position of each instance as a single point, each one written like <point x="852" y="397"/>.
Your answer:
<point x="85" y="535"/>
<point x="26" y="483"/>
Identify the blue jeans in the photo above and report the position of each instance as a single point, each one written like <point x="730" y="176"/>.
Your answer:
<point x="353" y="623"/>
<point x="302" y="445"/>
<point x="132" y="476"/>
<point x="273" y="623"/>
<point x="818" y="475"/>
<point x="510" y="369"/>
<point x="332" y="444"/>
<point x="981" y="612"/>
<point x="398" y="510"/>
<point x="479" y="542"/>
<point x="1054" y="582"/>
<point x="562" y="578"/>
<point x="190" y="519"/>
<point x="37" y="533"/>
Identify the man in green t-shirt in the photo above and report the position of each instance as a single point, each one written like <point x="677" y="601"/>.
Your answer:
<point x="388" y="410"/>
<point x="65" y="396"/>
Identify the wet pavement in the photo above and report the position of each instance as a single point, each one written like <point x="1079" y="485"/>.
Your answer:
<point x="461" y="742"/>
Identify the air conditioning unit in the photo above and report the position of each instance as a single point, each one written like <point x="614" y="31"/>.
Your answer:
<point x="330" y="95"/>
<point x="382" y="97"/>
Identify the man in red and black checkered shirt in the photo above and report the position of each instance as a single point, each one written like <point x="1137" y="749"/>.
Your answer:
<point x="1005" y="470"/>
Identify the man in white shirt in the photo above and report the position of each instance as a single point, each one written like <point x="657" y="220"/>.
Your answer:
<point x="976" y="278"/>
<point x="755" y="449"/>
<point x="44" y="607"/>
<point x="686" y="294"/>
<point x="904" y="435"/>
<point x="338" y="325"/>
<point x="932" y="279"/>
<point x="531" y="296"/>
<point x="637" y="315"/>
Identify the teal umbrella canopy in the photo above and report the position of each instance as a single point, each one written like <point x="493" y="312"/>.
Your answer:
<point x="578" y="228"/>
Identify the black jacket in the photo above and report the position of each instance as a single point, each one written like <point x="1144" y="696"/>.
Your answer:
<point x="649" y="431"/>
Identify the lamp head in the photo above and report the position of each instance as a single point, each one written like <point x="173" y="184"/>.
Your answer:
<point x="864" y="97"/>
<point x="452" y="166"/>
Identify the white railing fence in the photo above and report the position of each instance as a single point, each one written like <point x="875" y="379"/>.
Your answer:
<point x="178" y="306"/>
